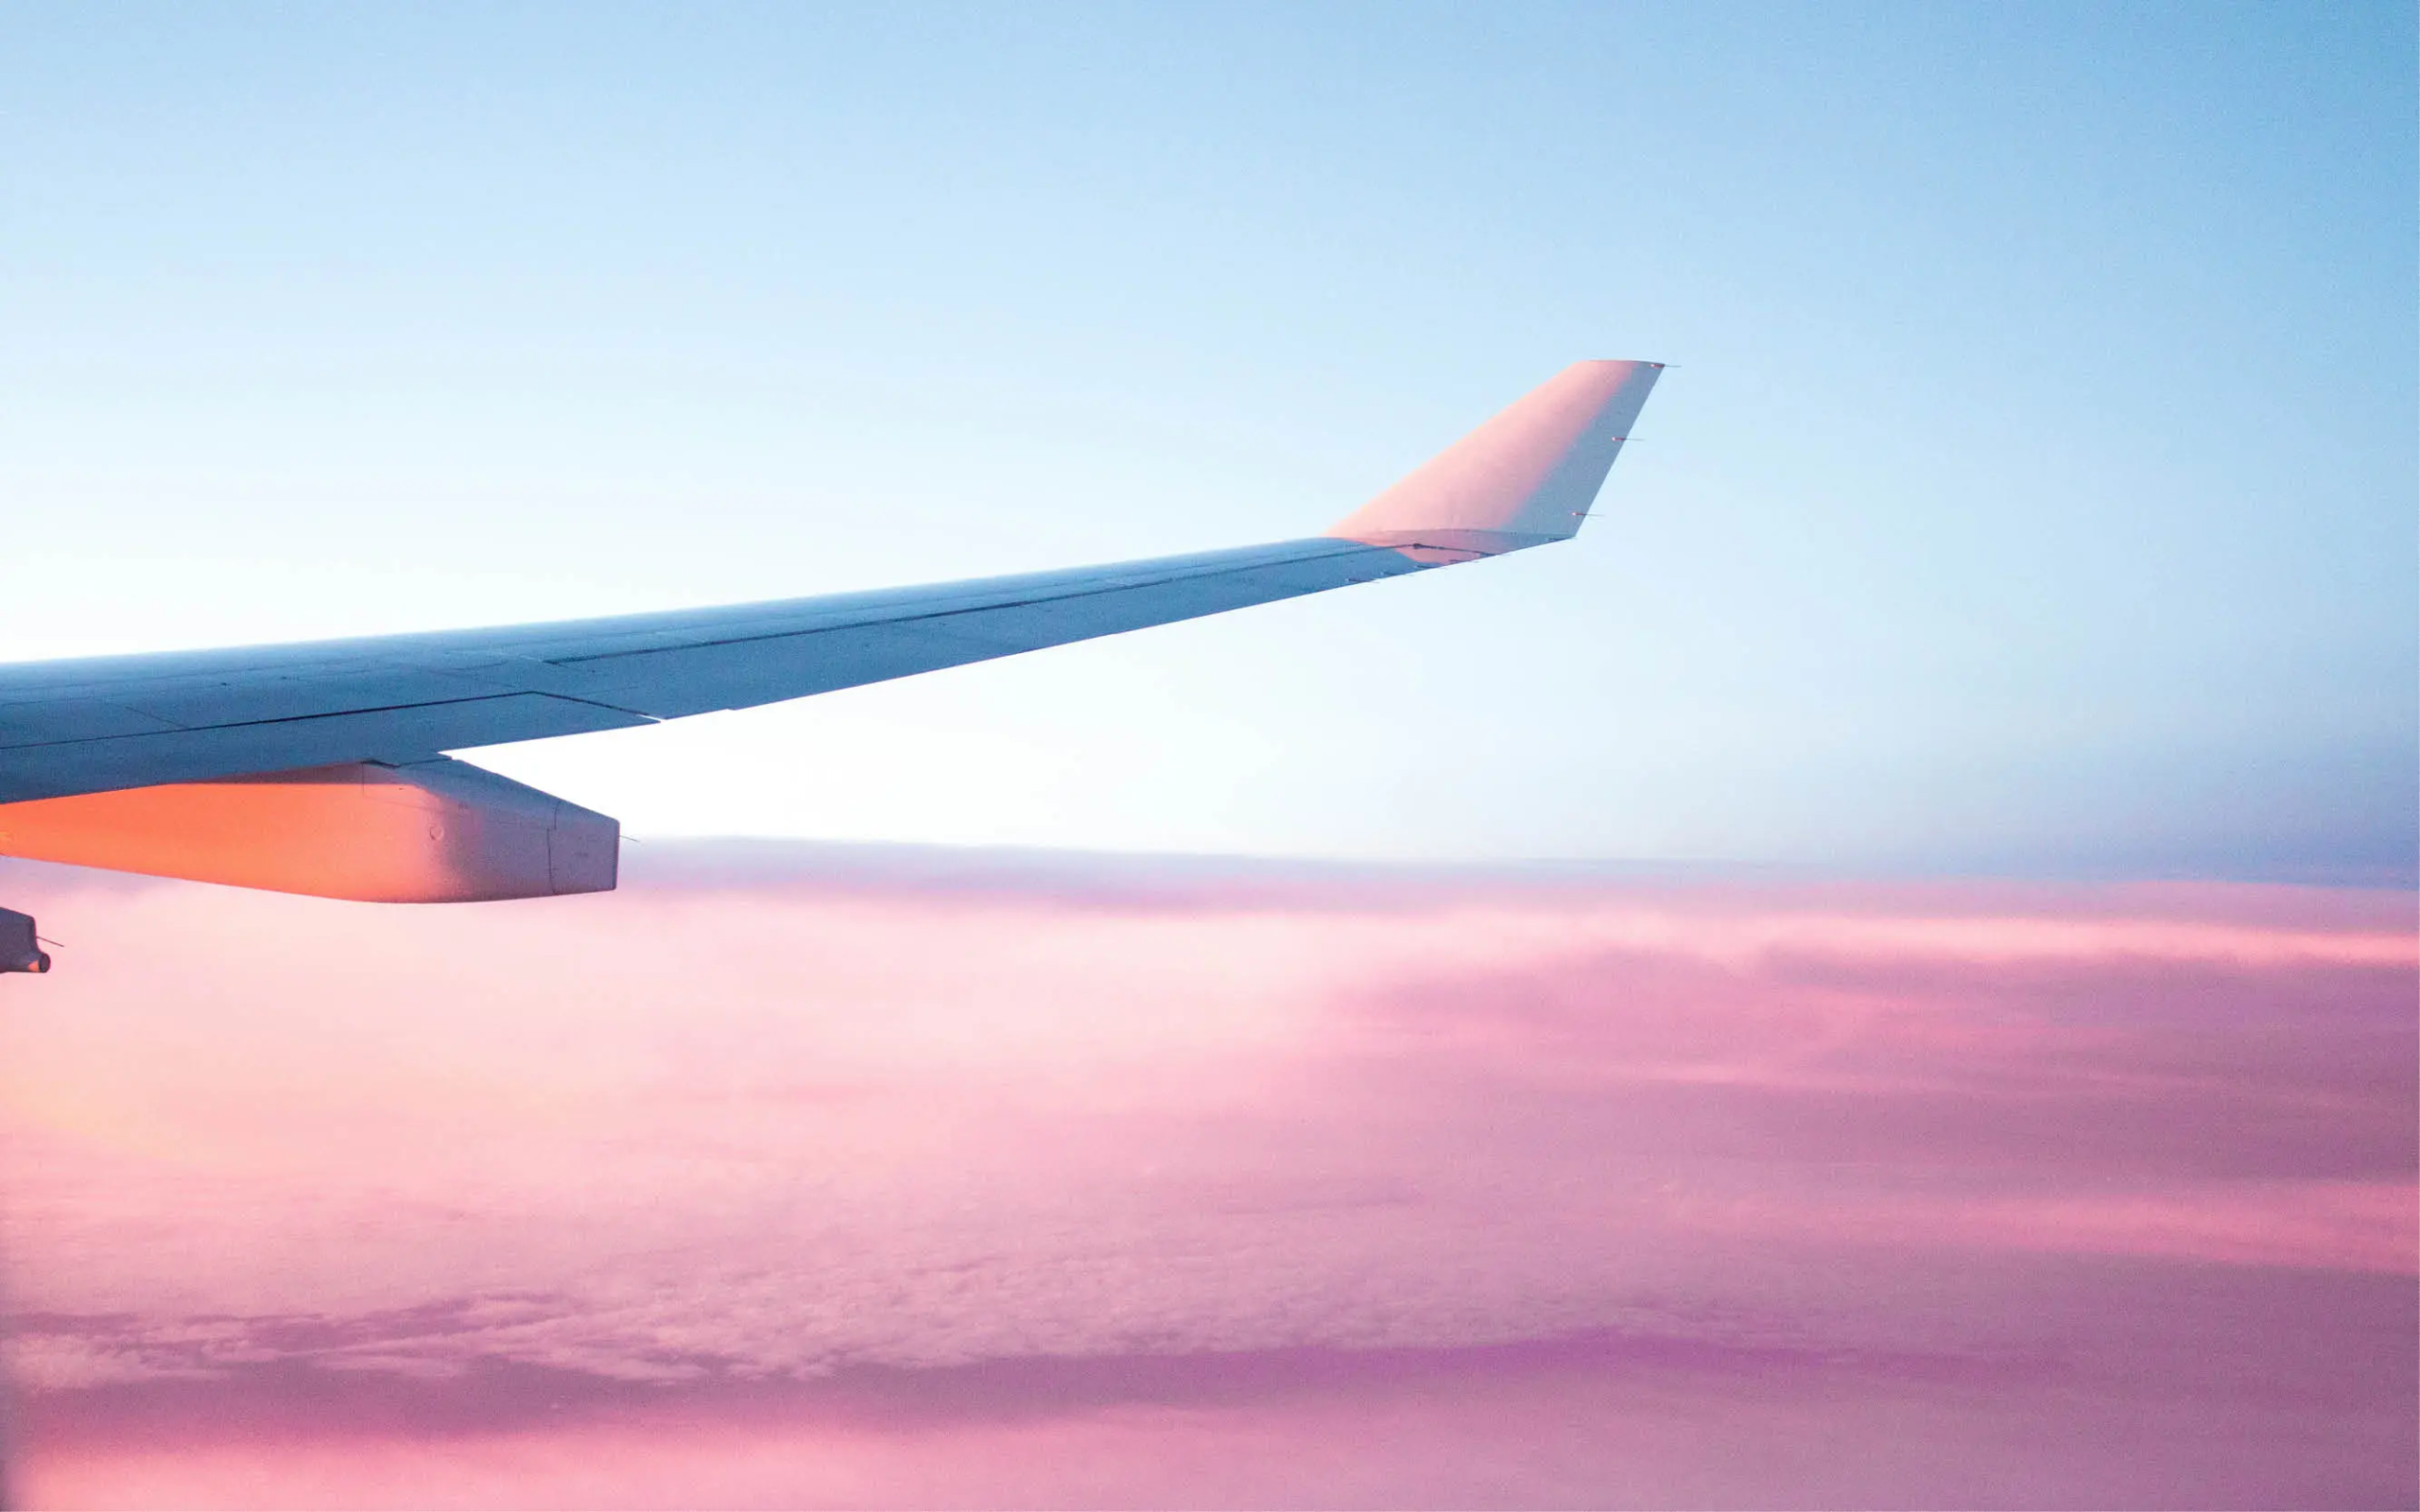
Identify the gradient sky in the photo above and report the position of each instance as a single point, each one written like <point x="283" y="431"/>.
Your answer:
<point x="2033" y="495"/>
<point x="802" y="1175"/>
<point x="2034" y="491"/>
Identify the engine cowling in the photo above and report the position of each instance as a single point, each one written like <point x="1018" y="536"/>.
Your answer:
<point x="432" y="831"/>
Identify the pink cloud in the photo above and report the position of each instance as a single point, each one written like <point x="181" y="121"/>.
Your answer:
<point x="794" y="1175"/>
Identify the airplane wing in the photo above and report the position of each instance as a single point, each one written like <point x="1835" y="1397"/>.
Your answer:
<point x="282" y="717"/>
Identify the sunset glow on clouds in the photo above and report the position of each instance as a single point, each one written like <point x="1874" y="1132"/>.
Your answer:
<point x="797" y="1175"/>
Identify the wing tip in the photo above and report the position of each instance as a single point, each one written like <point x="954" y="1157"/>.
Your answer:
<point x="1524" y="478"/>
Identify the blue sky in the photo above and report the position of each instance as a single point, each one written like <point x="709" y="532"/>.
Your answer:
<point x="2034" y="491"/>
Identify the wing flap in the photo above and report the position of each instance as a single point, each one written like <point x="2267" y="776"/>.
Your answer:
<point x="394" y="737"/>
<point x="217" y="702"/>
<point x="741" y="672"/>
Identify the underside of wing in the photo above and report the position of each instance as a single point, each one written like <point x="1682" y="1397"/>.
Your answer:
<point x="69" y="728"/>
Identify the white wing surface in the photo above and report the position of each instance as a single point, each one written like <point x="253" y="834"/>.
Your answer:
<point x="104" y="724"/>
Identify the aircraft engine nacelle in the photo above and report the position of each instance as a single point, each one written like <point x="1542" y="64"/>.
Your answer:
<point x="433" y="832"/>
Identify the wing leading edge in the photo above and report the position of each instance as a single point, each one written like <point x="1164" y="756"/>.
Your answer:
<point x="105" y="725"/>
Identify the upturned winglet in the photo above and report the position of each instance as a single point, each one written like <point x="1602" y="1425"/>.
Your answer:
<point x="1524" y="478"/>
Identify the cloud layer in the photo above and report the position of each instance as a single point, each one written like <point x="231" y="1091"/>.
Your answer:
<point x="795" y="1175"/>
